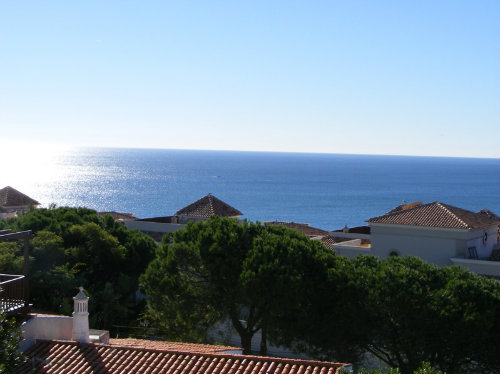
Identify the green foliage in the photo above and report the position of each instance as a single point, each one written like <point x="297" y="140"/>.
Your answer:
<point x="73" y="247"/>
<point x="11" y="258"/>
<point x="425" y="368"/>
<point x="418" y="312"/>
<point x="252" y="274"/>
<point x="10" y="336"/>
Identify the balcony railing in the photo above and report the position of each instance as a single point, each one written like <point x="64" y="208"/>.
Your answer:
<point x="12" y="293"/>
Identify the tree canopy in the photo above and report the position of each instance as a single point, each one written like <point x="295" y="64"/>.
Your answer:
<point x="221" y="269"/>
<point x="405" y="312"/>
<point x="299" y="294"/>
<point x="73" y="247"/>
<point x="10" y="336"/>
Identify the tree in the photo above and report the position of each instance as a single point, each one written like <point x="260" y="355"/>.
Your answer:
<point x="10" y="336"/>
<point x="421" y="313"/>
<point x="73" y="247"/>
<point x="218" y="269"/>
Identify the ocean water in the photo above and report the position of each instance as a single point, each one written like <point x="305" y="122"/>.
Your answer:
<point x="325" y="190"/>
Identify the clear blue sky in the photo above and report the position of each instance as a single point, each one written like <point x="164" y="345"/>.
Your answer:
<point x="371" y="77"/>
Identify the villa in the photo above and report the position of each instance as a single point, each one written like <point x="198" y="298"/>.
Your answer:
<point x="438" y="233"/>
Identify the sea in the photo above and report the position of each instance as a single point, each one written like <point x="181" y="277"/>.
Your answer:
<point x="328" y="191"/>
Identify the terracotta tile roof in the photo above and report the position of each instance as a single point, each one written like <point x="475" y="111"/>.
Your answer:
<point x="404" y="206"/>
<point x="208" y="206"/>
<point x="11" y="197"/>
<point x="76" y="358"/>
<point x="173" y="346"/>
<point x="302" y="227"/>
<point x="437" y="214"/>
<point x="329" y="241"/>
<point x="489" y="213"/>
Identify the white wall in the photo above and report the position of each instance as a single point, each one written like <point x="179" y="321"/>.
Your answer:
<point x="153" y="226"/>
<point x="476" y="240"/>
<point x="491" y="268"/>
<point x="46" y="327"/>
<point x="434" y="245"/>
<point x="430" y="244"/>
<point x="351" y="248"/>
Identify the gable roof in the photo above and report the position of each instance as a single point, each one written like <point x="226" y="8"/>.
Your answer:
<point x="437" y="214"/>
<point x="9" y="196"/>
<point x="70" y="357"/>
<point x="208" y="206"/>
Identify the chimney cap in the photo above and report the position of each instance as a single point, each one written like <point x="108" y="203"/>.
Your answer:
<point x="81" y="295"/>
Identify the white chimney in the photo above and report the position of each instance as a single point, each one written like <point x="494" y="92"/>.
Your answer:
<point x="81" y="318"/>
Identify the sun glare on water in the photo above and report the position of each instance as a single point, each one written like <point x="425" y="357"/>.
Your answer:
<point x="30" y="167"/>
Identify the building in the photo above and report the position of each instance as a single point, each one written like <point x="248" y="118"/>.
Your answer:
<point x="206" y="207"/>
<point x="14" y="203"/>
<point x="309" y="231"/>
<point x="59" y="344"/>
<point x="438" y="233"/>
<point x="200" y="210"/>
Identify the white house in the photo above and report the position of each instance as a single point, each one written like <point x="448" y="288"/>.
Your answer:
<point x="436" y="232"/>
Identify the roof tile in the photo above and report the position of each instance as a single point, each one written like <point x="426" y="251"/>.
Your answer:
<point x="9" y="196"/>
<point x="208" y="206"/>
<point x="70" y="357"/>
<point x="437" y="214"/>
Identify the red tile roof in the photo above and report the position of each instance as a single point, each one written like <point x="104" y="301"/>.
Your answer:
<point x="9" y="196"/>
<point x="437" y="214"/>
<point x="302" y="227"/>
<point x="76" y="358"/>
<point x="208" y="206"/>
<point x="173" y="346"/>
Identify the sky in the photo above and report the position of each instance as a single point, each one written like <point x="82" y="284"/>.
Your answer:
<point x="361" y="77"/>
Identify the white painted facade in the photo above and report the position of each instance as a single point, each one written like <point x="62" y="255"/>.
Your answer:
<point x="147" y="226"/>
<point x="46" y="327"/>
<point x="432" y="244"/>
<point x="352" y="248"/>
<point x="435" y="245"/>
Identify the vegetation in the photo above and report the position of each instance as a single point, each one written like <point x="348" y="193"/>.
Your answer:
<point x="73" y="247"/>
<point x="263" y="278"/>
<point x="220" y="269"/>
<point x="402" y="310"/>
<point x="10" y="336"/>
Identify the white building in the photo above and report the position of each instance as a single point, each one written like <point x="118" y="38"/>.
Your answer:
<point x="436" y="232"/>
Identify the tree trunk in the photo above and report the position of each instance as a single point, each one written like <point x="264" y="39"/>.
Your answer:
<point x="263" y="341"/>
<point x="246" y="343"/>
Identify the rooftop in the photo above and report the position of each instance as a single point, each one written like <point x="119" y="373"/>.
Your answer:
<point x="134" y="356"/>
<point x="208" y="206"/>
<point x="302" y="227"/>
<point x="436" y="214"/>
<point x="10" y="197"/>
